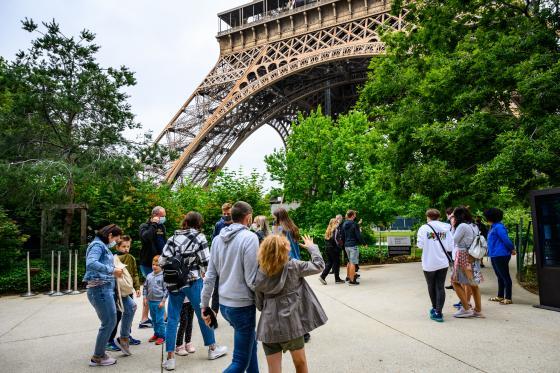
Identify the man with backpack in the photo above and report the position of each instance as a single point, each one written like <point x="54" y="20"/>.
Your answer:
<point x="152" y="237"/>
<point x="234" y="260"/>
<point x="352" y="238"/>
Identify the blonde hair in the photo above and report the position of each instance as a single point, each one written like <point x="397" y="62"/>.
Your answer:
<point x="274" y="253"/>
<point x="333" y="224"/>
<point x="261" y="222"/>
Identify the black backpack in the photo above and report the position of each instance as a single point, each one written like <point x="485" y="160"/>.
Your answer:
<point x="175" y="271"/>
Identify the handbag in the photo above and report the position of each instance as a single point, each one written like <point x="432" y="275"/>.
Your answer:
<point x="479" y="246"/>
<point x="125" y="285"/>
<point x="441" y="244"/>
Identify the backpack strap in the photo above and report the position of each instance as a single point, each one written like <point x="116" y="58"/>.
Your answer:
<point x="440" y="243"/>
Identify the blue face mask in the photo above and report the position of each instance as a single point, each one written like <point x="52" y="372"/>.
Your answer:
<point x="112" y="244"/>
<point x="162" y="220"/>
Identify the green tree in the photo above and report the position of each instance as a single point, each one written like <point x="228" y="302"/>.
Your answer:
<point x="467" y="100"/>
<point x="62" y="116"/>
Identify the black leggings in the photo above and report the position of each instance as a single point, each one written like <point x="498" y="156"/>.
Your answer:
<point x="185" y="324"/>
<point x="501" y="267"/>
<point x="333" y="263"/>
<point x="436" y="287"/>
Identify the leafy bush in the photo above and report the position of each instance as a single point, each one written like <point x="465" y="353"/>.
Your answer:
<point x="11" y="241"/>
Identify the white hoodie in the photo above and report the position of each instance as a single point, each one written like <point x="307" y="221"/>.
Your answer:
<point x="433" y="257"/>
<point x="233" y="258"/>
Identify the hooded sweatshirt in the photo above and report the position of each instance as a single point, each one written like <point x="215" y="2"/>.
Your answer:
<point x="233" y="258"/>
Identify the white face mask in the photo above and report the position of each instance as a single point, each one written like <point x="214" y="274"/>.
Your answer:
<point x="111" y="244"/>
<point x="162" y="220"/>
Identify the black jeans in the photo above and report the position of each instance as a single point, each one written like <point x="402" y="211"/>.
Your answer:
<point x="333" y="262"/>
<point x="501" y="267"/>
<point x="436" y="287"/>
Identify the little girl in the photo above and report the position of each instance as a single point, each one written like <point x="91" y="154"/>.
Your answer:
<point x="289" y="308"/>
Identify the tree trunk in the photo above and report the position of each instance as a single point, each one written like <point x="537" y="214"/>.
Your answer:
<point x="69" y="218"/>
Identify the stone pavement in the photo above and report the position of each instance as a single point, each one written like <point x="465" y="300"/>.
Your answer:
<point x="380" y="326"/>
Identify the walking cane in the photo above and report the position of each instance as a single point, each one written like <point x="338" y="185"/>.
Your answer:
<point x="161" y="363"/>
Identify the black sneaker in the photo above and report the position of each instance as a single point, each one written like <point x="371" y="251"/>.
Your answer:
<point x="145" y="324"/>
<point x="449" y="287"/>
<point x="339" y="281"/>
<point x="353" y="283"/>
<point x="357" y="276"/>
<point x="306" y="337"/>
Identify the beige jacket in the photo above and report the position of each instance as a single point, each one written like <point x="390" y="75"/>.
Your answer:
<point x="288" y="306"/>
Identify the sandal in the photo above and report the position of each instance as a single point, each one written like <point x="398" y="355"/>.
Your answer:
<point x="496" y="299"/>
<point x="506" y="301"/>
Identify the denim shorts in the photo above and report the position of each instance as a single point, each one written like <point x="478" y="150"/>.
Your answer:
<point x="291" y="345"/>
<point x="353" y="254"/>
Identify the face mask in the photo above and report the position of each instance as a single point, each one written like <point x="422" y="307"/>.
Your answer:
<point x="227" y="218"/>
<point x="162" y="220"/>
<point x="112" y="244"/>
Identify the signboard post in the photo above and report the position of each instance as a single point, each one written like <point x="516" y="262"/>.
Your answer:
<point x="545" y="206"/>
<point x="398" y="246"/>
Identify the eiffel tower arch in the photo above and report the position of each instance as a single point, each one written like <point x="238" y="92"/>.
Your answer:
<point x="277" y="58"/>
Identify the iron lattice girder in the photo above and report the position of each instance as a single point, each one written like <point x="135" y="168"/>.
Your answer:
<point x="258" y="85"/>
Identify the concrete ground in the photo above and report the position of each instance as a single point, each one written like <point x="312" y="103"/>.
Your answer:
<point x="380" y="326"/>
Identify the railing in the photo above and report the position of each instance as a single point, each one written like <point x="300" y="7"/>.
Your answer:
<point x="276" y="14"/>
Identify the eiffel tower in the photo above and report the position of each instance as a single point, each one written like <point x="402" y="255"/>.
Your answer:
<point x="277" y="58"/>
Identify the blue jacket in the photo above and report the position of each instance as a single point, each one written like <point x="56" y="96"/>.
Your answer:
<point x="352" y="234"/>
<point x="99" y="262"/>
<point x="499" y="243"/>
<point x="221" y="224"/>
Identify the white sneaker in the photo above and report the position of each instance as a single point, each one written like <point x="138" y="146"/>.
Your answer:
<point x="217" y="352"/>
<point x="169" y="364"/>
<point x="104" y="361"/>
<point x="181" y="350"/>
<point x="462" y="313"/>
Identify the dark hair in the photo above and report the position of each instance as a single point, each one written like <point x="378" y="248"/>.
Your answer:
<point x="124" y="238"/>
<point x="462" y="215"/>
<point x="111" y="229"/>
<point x="286" y="223"/>
<point x="494" y="215"/>
<point x="350" y="213"/>
<point x="193" y="219"/>
<point x="449" y="211"/>
<point x="240" y="210"/>
<point x="433" y="214"/>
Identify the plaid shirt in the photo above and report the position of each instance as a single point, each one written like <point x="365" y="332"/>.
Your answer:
<point x="192" y="246"/>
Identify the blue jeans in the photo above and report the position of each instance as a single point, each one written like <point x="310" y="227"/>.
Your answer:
<point x="157" y="318"/>
<point x="243" y="321"/>
<point x="129" y="308"/>
<point x="102" y="298"/>
<point x="146" y="270"/>
<point x="173" y="313"/>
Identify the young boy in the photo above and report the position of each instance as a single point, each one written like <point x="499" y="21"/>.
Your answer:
<point x="123" y="248"/>
<point x="155" y="294"/>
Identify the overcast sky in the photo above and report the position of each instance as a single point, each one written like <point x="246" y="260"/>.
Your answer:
<point x="170" y="45"/>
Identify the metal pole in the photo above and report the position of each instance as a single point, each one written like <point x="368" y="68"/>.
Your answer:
<point x="29" y="293"/>
<point x="76" y="291"/>
<point x="52" y="275"/>
<point x="69" y="289"/>
<point x="57" y="293"/>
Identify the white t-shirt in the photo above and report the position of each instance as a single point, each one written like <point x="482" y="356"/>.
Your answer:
<point x="433" y="257"/>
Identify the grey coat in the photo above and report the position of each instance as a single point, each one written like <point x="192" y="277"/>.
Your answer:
<point x="288" y="306"/>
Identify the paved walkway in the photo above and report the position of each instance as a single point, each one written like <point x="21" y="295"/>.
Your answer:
<point x="379" y="326"/>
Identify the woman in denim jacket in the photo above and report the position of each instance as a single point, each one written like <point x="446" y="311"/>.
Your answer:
<point x="100" y="277"/>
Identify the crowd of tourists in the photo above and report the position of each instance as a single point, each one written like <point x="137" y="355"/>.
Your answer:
<point x="251" y="266"/>
<point x="248" y="267"/>
<point x="461" y="244"/>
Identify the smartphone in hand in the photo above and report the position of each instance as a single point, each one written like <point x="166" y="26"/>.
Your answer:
<point x="212" y="315"/>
